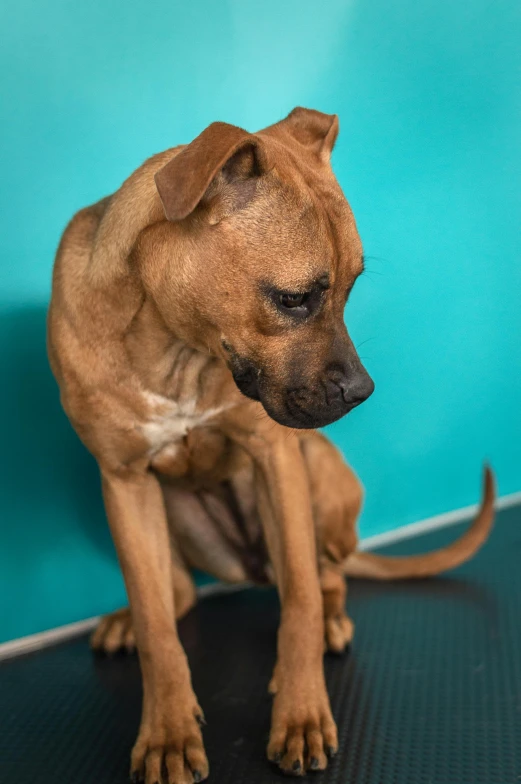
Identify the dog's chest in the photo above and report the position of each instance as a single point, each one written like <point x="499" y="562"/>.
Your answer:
<point x="185" y="441"/>
<point x="181" y="427"/>
<point x="170" y="421"/>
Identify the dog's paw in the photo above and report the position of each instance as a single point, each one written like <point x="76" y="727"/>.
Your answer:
<point x="303" y="732"/>
<point x="339" y="632"/>
<point x="171" y="749"/>
<point x="114" y="633"/>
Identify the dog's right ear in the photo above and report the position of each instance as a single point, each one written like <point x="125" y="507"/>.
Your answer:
<point x="220" y="168"/>
<point x="314" y="131"/>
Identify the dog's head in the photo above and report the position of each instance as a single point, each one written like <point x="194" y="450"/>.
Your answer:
<point x="267" y="253"/>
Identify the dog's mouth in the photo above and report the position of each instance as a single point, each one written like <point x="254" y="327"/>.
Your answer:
<point x="293" y="410"/>
<point x="296" y="415"/>
<point x="302" y="407"/>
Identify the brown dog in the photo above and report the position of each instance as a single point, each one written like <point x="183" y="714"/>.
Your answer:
<point x="207" y="291"/>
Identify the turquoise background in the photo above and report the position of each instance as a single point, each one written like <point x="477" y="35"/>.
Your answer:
<point x="428" y="94"/>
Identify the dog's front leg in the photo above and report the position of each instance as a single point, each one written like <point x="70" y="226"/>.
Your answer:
<point x="169" y="737"/>
<point x="303" y="732"/>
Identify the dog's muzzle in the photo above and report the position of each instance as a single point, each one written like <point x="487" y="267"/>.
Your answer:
<point x="304" y="406"/>
<point x="337" y="394"/>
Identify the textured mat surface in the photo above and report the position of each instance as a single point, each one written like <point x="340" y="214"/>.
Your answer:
<point x="429" y="694"/>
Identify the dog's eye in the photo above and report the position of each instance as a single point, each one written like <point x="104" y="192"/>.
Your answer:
<point x="290" y="301"/>
<point x="299" y="305"/>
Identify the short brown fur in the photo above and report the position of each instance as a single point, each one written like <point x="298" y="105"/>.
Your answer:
<point x="167" y="296"/>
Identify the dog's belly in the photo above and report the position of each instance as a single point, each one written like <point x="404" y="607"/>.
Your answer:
<point x="218" y="531"/>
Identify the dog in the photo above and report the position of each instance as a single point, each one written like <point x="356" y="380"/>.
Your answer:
<point x="197" y="336"/>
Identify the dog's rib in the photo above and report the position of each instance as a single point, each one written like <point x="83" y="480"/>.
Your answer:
<point x="379" y="567"/>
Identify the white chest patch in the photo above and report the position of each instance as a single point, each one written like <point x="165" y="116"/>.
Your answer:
<point x="169" y="421"/>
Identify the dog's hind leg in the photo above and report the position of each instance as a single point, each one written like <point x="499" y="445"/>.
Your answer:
<point x="336" y="496"/>
<point x="339" y="628"/>
<point x="114" y="633"/>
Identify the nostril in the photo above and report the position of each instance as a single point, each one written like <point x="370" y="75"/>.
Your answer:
<point x="353" y="389"/>
<point x="343" y="385"/>
<point x="336" y="387"/>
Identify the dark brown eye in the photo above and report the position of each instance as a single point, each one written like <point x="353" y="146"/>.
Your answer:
<point x="296" y="306"/>
<point x="290" y="301"/>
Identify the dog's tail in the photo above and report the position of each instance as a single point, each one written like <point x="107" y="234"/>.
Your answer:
<point x="379" y="567"/>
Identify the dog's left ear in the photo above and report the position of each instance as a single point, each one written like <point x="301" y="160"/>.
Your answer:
<point x="314" y="130"/>
<point x="218" y="170"/>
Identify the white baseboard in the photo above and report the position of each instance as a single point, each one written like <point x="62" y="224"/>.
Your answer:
<point x="35" y="642"/>
<point x="41" y="640"/>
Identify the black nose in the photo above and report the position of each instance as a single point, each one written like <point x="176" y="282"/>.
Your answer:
<point x="352" y="387"/>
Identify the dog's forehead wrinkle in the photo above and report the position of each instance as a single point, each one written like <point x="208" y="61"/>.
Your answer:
<point x="299" y="277"/>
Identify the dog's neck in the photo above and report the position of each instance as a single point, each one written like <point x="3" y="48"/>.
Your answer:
<point x="172" y="369"/>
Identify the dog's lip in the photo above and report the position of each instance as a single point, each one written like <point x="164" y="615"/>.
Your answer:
<point x="301" y="419"/>
<point x="244" y="372"/>
<point x="247" y="386"/>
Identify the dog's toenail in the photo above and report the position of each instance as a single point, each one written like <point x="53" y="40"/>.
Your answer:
<point x="313" y="763"/>
<point x="331" y="751"/>
<point x="197" y="776"/>
<point x="201" y="720"/>
<point x="134" y="777"/>
<point x="277" y="757"/>
<point x="297" y="765"/>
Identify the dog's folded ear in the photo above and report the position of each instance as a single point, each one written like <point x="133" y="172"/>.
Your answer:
<point x="314" y="130"/>
<point x="219" y="169"/>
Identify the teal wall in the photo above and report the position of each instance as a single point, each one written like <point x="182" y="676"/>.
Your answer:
<point x="428" y="94"/>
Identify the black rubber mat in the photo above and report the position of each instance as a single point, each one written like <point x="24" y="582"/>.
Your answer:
<point x="429" y="694"/>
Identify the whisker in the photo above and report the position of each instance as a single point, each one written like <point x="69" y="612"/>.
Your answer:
<point x="365" y="341"/>
<point x="368" y="274"/>
<point x="377" y="258"/>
